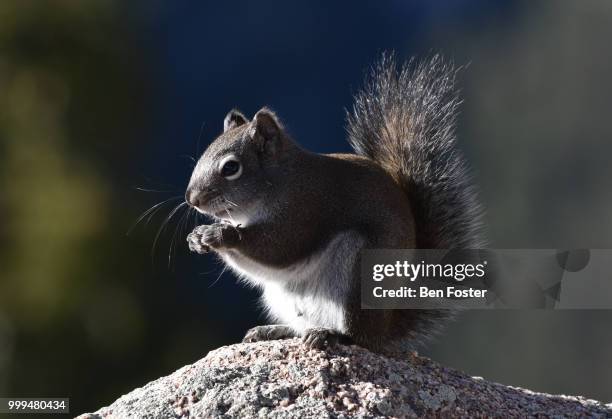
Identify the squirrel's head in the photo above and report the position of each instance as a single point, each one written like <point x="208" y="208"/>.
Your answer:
<point x="237" y="171"/>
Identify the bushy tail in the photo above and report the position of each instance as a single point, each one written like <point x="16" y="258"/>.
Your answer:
<point x="404" y="119"/>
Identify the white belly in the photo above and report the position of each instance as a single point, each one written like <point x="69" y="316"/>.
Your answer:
<point x="310" y="293"/>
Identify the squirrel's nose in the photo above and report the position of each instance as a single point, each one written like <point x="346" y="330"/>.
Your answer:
<point x="197" y="197"/>
<point x="192" y="197"/>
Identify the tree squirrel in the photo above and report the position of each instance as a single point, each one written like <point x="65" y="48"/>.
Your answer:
<point x="292" y="222"/>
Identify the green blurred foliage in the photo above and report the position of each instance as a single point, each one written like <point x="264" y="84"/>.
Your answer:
<point x="69" y="92"/>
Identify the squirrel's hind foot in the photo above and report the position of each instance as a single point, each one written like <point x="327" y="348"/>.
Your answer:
<point x="321" y="337"/>
<point x="268" y="332"/>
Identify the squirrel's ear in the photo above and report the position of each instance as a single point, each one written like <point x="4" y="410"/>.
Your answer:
<point x="233" y="119"/>
<point x="267" y="131"/>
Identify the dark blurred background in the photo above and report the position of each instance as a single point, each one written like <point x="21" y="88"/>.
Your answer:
<point x="101" y="99"/>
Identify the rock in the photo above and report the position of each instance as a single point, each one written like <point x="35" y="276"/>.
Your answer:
<point x="282" y="379"/>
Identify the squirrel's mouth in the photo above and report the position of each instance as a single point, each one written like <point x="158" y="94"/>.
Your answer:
<point x="214" y="206"/>
<point x="221" y="213"/>
<point x="203" y="201"/>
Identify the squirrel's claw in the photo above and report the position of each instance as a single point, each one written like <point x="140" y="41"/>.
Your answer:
<point x="319" y="338"/>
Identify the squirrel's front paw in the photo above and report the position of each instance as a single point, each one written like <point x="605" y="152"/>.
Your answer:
<point x="213" y="236"/>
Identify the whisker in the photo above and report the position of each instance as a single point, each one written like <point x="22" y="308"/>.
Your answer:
<point x="196" y="218"/>
<point x="163" y="226"/>
<point x="182" y="231"/>
<point x="219" y="277"/>
<point x="186" y="226"/>
<point x="206" y="273"/>
<point x="193" y="160"/>
<point x="230" y="216"/>
<point x="171" y="247"/>
<point x="187" y="156"/>
<point x="141" y="189"/>
<point x="230" y="202"/>
<point x="173" y="241"/>
<point x="151" y="211"/>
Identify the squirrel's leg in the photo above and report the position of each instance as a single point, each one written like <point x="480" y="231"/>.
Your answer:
<point x="269" y="332"/>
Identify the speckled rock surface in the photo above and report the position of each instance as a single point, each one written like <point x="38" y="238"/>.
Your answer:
<point x="281" y="379"/>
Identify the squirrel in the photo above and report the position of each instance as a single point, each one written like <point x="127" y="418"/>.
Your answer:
<point x="293" y="223"/>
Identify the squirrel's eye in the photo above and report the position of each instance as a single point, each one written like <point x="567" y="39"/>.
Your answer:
<point x="231" y="168"/>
